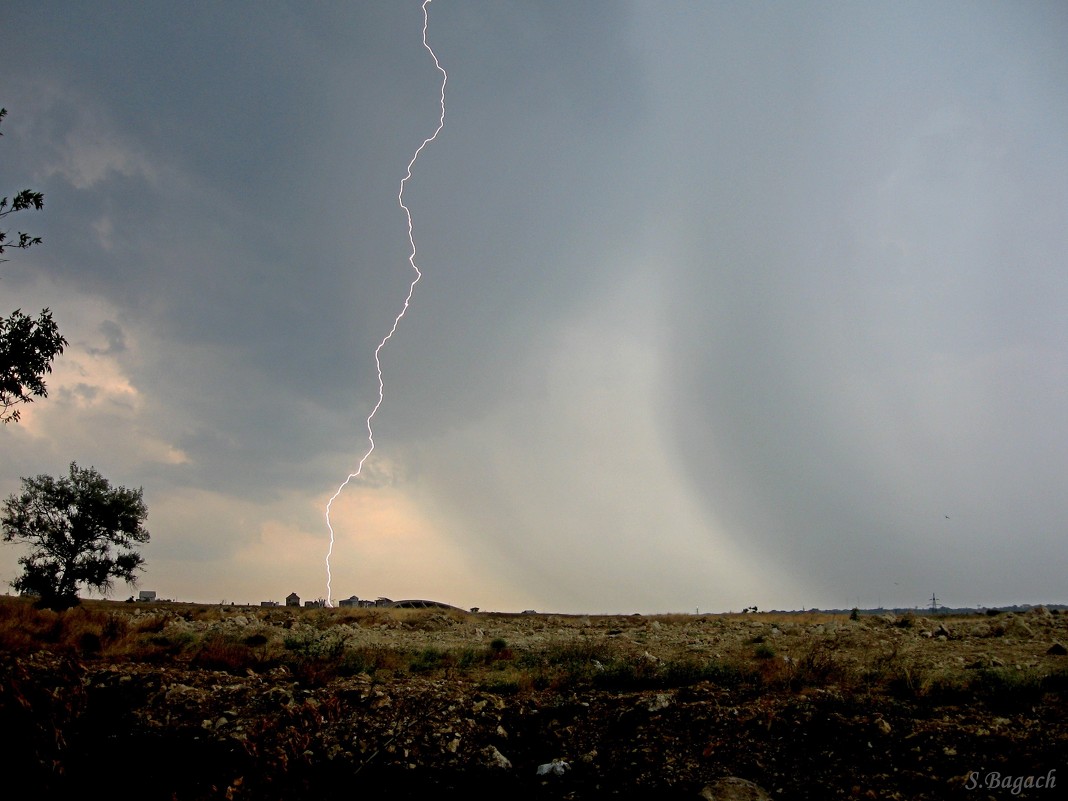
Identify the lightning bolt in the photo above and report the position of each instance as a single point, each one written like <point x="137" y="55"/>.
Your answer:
<point x="407" y="301"/>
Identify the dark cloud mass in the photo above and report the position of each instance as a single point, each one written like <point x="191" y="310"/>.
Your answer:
<point x="722" y="304"/>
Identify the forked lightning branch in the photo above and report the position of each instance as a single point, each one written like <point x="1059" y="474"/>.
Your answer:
<point x="404" y="308"/>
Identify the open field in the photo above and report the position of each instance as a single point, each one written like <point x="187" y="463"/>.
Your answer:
<point x="197" y="702"/>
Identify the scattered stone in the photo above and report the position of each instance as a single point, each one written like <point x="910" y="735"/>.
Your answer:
<point x="555" y="768"/>
<point x="1018" y="628"/>
<point x="495" y="759"/>
<point x="734" y="789"/>
<point x="659" y="701"/>
<point x="439" y="723"/>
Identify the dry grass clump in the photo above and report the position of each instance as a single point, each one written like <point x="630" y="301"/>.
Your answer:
<point x="77" y="631"/>
<point x="573" y="654"/>
<point x="582" y="663"/>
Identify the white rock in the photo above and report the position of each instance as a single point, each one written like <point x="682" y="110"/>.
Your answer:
<point x="555" y="768"/>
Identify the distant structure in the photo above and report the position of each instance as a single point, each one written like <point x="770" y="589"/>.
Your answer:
<point x="418" y="603"/>
<point x="363" y="603"/>
<point x="146" y="595"/>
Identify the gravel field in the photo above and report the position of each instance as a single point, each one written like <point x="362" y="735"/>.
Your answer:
<point x="199" y="702"/>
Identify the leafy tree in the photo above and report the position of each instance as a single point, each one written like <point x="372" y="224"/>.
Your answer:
<point x="27" y="346"/>
<point x="81" y="531"/>
<point x="26" y="199"/>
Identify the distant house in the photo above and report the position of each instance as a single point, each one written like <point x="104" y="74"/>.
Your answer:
<point x="313" y="604"/>
<point x="350" y="601"/>
<point x="268" y="603"/>
<point x="146" y="595"/>
<point x="292" y="599"/>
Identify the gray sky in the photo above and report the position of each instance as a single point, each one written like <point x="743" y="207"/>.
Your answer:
<point x="723" y="303"/>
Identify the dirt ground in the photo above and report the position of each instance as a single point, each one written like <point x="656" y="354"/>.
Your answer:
<point x="209" y="702"/>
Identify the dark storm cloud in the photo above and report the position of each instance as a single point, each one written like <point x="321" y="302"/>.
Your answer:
<point x="861" y="335"/>
<point x="731" y="303"/>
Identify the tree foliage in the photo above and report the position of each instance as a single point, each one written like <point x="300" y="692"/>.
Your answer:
<point x="27" y="346"/>
<point x="81" y="532"/>
<point x="22" y="200"/>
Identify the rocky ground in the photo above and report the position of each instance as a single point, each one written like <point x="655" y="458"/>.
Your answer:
<point x="170" y="702"/>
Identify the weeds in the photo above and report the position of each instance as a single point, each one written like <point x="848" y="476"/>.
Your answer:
<point x="764" y="651"/>
<point x="219" y="652"/>
<point x="319" y="646"/>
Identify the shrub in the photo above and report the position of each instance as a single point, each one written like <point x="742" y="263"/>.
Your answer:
<point x="764" y="651"/>
<point x="727" y="675"/>
<point x="151" y="623"/>
<point x="818" y="668"/>
<point x="218" y="652"/>
<point x="430" y="659"/>
<point x="1008" y="689"/>
<point x="370" y="659"/>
